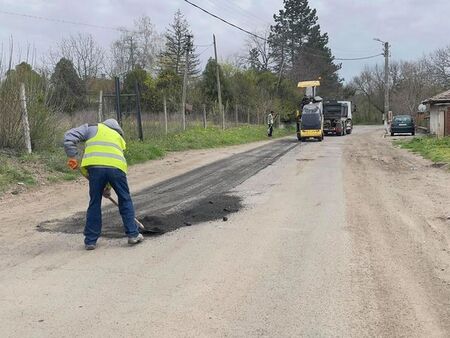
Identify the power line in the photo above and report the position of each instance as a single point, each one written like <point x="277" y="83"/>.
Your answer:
<point x="63" y="21"/>
<point x="264" y="39"/>
<point x="233" y="8"/>
<point x="223" y="20"/>
<point x="360" y="58"/>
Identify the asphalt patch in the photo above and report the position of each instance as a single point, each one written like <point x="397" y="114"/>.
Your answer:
<point x="200" y="195"/>
<point x="216" y="207"/>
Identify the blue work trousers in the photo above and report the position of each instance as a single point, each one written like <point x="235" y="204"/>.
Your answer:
<point x="98" y="179"/>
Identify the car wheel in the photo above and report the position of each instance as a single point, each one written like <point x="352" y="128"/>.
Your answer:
<point x="392" y="134"/>
<point x="413" y="133"/>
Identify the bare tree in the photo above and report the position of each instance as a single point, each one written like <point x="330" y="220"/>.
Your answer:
<point x="86" y="54"/>
<point x="140" y="46"/>
<point x="438" y="64"/>
<point x="259" y="55"/>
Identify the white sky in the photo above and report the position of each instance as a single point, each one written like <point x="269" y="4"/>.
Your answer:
<point x="413" y="27"/>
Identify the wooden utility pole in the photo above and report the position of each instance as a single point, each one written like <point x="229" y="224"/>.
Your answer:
<point x="236" y="115"/>
<point x="219" y="93"/>
<point x="248" y="115"/>
<point x="165" y="113"/>
<point x="100" y="107"/>
<point x="186" y="66"/>
<point x="386" y="84"/>
<point x="25" y="124"/>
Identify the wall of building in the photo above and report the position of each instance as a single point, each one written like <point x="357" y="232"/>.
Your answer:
<point x="437" y="122"/>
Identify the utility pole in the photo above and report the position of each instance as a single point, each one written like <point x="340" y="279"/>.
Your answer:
<point x="219" y="93"/>
<point x="186" y="66"/>
<point x="386" y="81"/>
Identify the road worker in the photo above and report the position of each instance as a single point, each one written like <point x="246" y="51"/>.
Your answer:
<point x="270" y="121"/>
<point x="104" y="164"/>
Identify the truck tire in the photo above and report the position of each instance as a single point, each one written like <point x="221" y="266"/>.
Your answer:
<point x="349" y="131"/>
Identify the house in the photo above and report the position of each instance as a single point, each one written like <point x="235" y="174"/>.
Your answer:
<point x="439" y="108"/>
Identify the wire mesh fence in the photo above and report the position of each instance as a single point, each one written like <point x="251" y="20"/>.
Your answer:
<point x="48" y="123"/>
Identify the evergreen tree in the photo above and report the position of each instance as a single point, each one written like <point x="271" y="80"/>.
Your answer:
<point x="68" y="89"/>
<point x="179" y="38"/>
<point x="253" y="59"/>
<point x="210" y="82"/>
<point x="300" y="49"/>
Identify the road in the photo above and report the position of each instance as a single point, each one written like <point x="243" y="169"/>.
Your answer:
<point x="348" y="237"/>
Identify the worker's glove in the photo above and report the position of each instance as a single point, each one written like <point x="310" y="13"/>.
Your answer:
<point x="72" y="163"/>
<point x="107" y="192"/>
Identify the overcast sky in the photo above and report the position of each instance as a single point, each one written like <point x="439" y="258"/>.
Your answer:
<point x="413" y="27"/>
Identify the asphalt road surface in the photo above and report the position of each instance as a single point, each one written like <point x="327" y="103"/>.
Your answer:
<point x="348" y="237"/>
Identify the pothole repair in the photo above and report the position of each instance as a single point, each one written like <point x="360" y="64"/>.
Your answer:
<point x="208" y="209"/>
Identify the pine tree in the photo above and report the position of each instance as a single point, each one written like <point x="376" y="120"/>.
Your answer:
<point x="179" y="38"/>
<point x="300" y="49"/>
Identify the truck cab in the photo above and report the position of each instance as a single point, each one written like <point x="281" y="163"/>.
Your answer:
<point x="337" y="117"/>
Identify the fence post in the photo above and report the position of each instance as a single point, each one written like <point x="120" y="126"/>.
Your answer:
<point x="100" y="107"/>
<point x="248" y="115"/>
<point x="138" y="111"/>
<point x="26" y="125"/>
<point x="236" y="114"/>
<point x="204" y="116"/>
<point x="225" y="113"/>
<point x="165" y="113"/>
<point x="118" y="112"/>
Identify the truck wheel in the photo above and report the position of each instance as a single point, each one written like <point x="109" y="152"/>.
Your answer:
<point x="349" y="131"/>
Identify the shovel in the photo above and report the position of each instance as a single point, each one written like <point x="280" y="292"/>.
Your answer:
<point x="143" y="230"/>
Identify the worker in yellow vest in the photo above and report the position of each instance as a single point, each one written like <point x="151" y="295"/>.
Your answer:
<point x="104" y="164"/>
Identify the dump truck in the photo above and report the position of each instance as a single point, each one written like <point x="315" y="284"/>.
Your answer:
<point x="337" y="117"/>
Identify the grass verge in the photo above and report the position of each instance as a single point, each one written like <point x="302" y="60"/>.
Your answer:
<point x="432" y="148"/>
<point x="50" y="166"/>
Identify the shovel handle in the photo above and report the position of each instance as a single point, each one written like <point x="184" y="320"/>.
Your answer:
<point x="135" y="219"/>
<point x="141" y="226"/>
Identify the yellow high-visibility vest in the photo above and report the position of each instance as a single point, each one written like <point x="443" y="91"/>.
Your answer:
<point x="105" y="149"/>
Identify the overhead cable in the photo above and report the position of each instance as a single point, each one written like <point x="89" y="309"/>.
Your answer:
<point x="223" y="20"/>
<point x="264" y="39"/>
<point x="63" y="21"/>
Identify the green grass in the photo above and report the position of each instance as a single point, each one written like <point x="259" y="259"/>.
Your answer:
<point x="432" y="148"/>
<point x="11" y="174"/>
<point x="197" y="138"/>
<point x="50" y="166"/>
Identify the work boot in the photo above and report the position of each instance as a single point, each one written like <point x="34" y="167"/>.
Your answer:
<point x="135" y="240"/>
<point x="90" y="246"/>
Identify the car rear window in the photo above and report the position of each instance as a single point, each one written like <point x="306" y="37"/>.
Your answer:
<point x="402" y="119"/>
